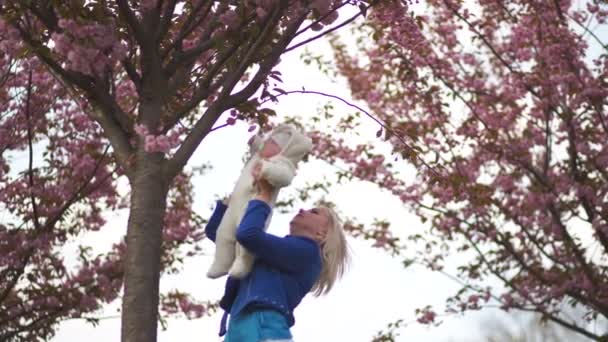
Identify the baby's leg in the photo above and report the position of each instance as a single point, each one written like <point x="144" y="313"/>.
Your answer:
<point x="243" y="262"/>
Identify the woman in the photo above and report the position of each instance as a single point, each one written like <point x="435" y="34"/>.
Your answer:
<point x="309" y="259"/>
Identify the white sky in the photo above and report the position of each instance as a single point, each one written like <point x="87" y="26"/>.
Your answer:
<point x="376" y="290"/>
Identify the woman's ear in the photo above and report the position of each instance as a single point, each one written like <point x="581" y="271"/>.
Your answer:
<point x="321" y="235"/>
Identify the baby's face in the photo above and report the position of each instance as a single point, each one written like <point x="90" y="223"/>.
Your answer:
<point x="270" y="149"/>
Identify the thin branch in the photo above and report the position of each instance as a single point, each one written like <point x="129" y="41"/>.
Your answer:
<point x="36" y="322"/>
<point x="46" y="15"/>
<point x="182" y="63"/>
<point x="8" y="75"/>
<point x="346" y="22"/>
<point x="187" y="58"/>
<point x="125" y="11"/>
<point x="31" y="152"/>
<point x="132" y="73"/>
<point x="49" y="224"/>
<point x="525" y="229"/>
<point x="587" y="30"/>
<point x="38" y="227"/>
<point x="334" y="10"/>
<point x="91" y="318"/>
<point x="113" y="121"/>
<point x="580" y="179"/>
<point x="224" y="100"/>
<point x="220" y="126"/>
<point x="166" y="18"/>
<point x="204" y="43"/>
<point x="79" y="193"/>
<point x="522" y="263"/>
<point x="571" y="326"/>
<point x="188" y="26"/>
<point x="571" y="244"/>
<point x="266" y="66"/>
<point x="203" y="90"/>
<point x="380" y="123"/>
<point x="548" y="143"/>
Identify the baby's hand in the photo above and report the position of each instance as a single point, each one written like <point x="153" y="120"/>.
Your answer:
<point x="257" y="170"/>
<point x="264" y="189"/>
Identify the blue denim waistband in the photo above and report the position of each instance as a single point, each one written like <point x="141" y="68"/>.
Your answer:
<point x="256" y="325"/>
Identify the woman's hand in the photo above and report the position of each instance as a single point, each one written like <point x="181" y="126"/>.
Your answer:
<point x="264" y="189"/>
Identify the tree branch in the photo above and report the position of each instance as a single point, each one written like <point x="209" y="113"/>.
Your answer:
<point x="318" y="21"/>
<point x="79" y="193"/>
<point x="346" y="22"/>
<point x="587" y="30"/>
<point x="265" y="66"/>
<point x="132" y="73"/>
<point x="113" y="122"/>
<point x="522" y="263"/>
<point x="50" y="223"/>
<point x="573" y="326"/>
<point x="380" y="123"/>
<point x="223" y="101"/>
<point x="526" y="230"/>
<point x="165" y="20"/>
<point x="22" y="328"/>
<point x="31" y="152"/>
<point x="48" y="16"/>
<point x="580" y="179"/>
<point x="205" y="87"/>
<point x="204" y="43"/>
<point x="125" y="11"/>
<point x="188" y="26"/>
<point x="187" y="58"/>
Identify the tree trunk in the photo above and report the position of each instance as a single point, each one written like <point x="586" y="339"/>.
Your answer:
<point x="144" y="238"/>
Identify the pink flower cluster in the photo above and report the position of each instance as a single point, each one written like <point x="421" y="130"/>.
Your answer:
<point x="158" y="143"/>
<point x="10" y="41"/>
<point x="509" y="130"/>
<point x="230" y="19"/>
<point x="176" y="301"/>
<point x="426" y="316"/>
<point x="88" y="48"/>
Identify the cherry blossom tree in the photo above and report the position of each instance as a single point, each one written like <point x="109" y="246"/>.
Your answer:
<point x="105" y="89"/>
<point x="501" y="109"/>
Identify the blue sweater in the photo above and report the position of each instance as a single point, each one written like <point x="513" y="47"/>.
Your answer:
<point x="285" y="269"/>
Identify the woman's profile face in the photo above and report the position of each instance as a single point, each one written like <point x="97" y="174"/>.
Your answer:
<point x="312" y="223"/>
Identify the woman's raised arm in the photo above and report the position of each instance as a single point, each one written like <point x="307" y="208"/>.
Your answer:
<point x="216" y="218"/>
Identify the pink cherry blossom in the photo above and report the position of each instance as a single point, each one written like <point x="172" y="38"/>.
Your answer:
<point x="479" y="98"/>
<point x="77" y="85"/>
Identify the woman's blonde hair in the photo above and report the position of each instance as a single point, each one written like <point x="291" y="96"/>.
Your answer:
<point x="335" y="255"/>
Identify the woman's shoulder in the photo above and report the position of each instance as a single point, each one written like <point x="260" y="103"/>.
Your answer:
<point x="307" y="244"/>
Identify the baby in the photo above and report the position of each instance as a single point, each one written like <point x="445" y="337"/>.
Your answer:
<point x="277" y="157"/>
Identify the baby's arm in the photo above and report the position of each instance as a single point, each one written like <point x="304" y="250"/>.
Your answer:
<point x="278" y="171"/>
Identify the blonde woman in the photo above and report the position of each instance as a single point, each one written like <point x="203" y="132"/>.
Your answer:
<point x="310" y="259"/>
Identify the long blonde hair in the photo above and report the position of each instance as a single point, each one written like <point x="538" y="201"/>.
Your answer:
<point x="335" y="255"/>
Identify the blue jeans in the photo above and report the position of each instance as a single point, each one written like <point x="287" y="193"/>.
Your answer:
<point x="257" y="325"/>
